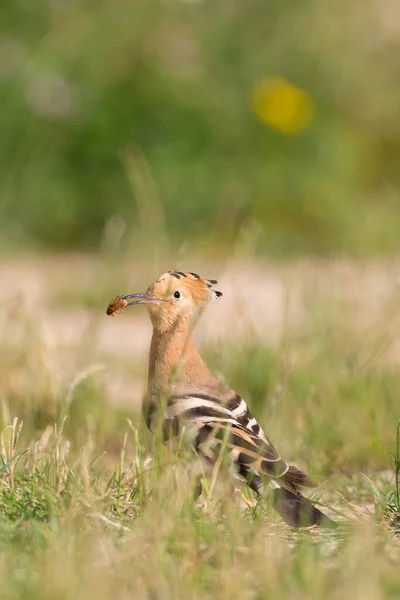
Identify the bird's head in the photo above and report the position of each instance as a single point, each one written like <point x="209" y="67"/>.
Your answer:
<point x="175" y="296"/>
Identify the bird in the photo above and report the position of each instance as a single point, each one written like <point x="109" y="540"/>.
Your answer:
<point x="184" y="395"/>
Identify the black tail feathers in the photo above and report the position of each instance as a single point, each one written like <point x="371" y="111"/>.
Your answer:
<point x="297" y="511"/>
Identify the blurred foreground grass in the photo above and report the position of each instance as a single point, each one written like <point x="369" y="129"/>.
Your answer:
<point x="70" y="528"/>
<point x="89" y="507"/>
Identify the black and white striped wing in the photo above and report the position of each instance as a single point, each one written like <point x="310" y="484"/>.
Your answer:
<point x="233" y="427"/>
<point x="218" y="426"/>
<point x="252" y="454"/>
<point x="242" y="413"/>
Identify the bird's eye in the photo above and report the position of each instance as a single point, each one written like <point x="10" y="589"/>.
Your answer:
<point x="177" y="295"/>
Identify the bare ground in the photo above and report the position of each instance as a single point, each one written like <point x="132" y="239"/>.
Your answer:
<point x="266" y="300"/>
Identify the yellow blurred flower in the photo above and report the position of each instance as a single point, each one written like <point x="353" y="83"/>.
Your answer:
<point x="282" y="105"/>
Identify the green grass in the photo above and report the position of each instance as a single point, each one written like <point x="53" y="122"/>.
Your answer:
<point x="92" y="506"/>
<point x="69" y="525"/>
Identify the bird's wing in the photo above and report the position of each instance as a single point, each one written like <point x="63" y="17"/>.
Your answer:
<point x="258" y="455"/>
<point x="242" y="413"/>
<point x="217" y="426"/>
<point x="233" y="425"/>
<point x="221" y="426"/>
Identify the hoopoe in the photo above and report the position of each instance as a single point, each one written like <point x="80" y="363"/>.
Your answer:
<point x="182" y="388"/>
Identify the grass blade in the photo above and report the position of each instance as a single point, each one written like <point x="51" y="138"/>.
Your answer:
<point x="12" y="460"/>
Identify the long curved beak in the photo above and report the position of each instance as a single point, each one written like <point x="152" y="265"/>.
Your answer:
<point x="145" y="298"/>
<point x="120" y="302"/>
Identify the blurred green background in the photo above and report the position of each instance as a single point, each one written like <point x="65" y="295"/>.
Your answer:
<point x="269" y="121"/>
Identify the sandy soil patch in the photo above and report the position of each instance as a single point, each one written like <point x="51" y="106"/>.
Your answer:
<point x="265" y="300"/>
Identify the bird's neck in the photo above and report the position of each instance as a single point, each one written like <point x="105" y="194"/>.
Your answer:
<point x="175" y="362"/>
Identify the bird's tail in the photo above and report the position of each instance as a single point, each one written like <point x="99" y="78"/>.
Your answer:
<point x="298" y="511"/>
<point x="257" y="458"/>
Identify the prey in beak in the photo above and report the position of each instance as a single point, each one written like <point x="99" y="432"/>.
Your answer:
<point x="120" y="302"/>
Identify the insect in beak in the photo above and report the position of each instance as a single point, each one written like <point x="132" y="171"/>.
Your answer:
<point x="120" y="302"/>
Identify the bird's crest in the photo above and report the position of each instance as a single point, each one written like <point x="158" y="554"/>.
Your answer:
<point x="199" y="288"/>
